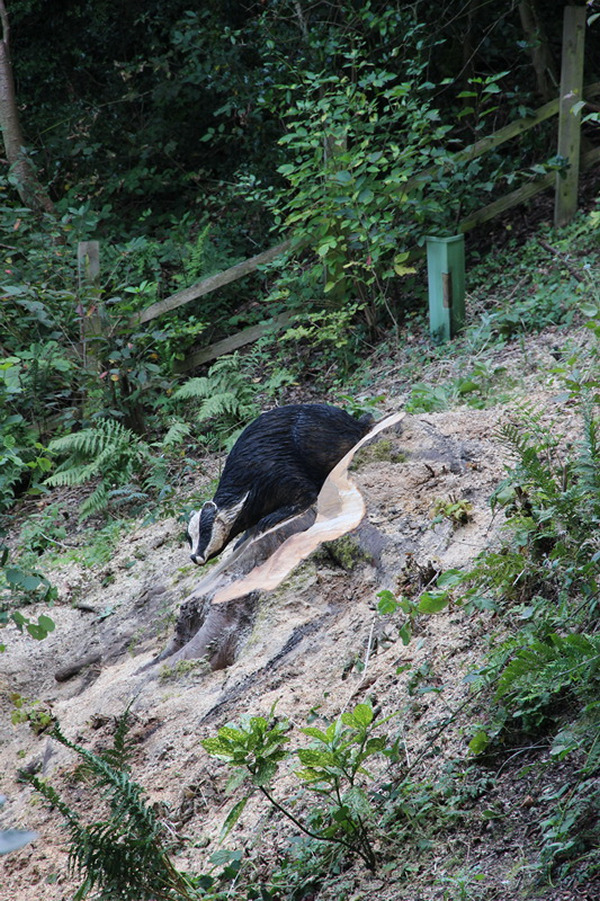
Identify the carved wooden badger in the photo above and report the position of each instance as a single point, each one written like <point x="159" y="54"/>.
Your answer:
<point x="275" y="469"/>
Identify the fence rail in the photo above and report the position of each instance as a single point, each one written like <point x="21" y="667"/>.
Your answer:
<point x="210" y="284"/>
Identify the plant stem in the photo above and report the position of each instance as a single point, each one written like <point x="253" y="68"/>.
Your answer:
<point x="369" y="859"/>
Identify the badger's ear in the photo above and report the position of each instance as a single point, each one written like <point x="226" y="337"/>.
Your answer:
<point x="221" y="526"/>
<point x="215" y="523"/>
<point x="226" y="516"/>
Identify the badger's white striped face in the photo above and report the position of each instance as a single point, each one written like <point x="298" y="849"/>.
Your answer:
<point x="209" y="529"/>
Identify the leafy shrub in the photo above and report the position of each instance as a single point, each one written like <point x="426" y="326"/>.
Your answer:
<point x="19" y="586"/>
<point x="22" y="458"/>
<point x="332" y="768"/>
<point x="553" y="505"/>
<point x="542" y="680"/>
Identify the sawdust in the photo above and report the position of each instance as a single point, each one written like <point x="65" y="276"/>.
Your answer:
<point x="305" y="650"/>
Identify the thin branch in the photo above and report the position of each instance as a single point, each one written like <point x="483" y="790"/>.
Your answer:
<point x="323" y="838"/>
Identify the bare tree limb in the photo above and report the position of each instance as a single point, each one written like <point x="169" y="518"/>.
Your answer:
<point x="23" y="174"/>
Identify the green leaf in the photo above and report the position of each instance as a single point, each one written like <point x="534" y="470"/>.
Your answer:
<point x="308" y="774"/>
<point x="313" y="732"/>
<point x="366" y="196"/>
<point x="236" y="779"/>
<point x="361" y="716"/>
<point x="450" y="579"/>
<point x="479" y="742"/>
<point x="405" y="633"/>
<point x="375" y="746"/>
<point x="46" y="623"/>
<point x="387" y="602"/>
<point x="36" y="631"/>
<point x="589" y="309"/>
<point x="343" y="177"/>
<point x="431" y="602"/>
<point x="312" y="757"/>
<point x="357" y="802"/>
<point x="264" y="772"/>
<point x="233" y="816"/>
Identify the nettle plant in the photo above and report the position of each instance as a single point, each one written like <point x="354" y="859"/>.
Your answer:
<point x="332" y="768"/>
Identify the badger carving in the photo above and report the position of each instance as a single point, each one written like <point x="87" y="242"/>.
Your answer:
<point x="275" y="469"/>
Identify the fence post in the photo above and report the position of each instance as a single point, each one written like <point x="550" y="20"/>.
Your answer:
<point x="88" y="268"/>
<point x="334" y="146"/>
<point x="569" y="122"/>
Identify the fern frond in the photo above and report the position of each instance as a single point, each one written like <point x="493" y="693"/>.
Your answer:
<point x="127" y="495"/>
<point x="587" y="464"/>
<point x="68" y="477"/>
<point x="219" y="404"/>
<point x="194" y="389"/>
<point x="226" y="394"/>
<point x="178" y="431"/>
<point x="552" y="665"/>
<point x="157" y="477"/>
<point x="195" y="264"/>
<point x="92" y="441"/>
<point x="96" y="503"/>
<point x="122" y="745"/>
<point x="126" y="795"/>
<point x="54" y="800"/>
<point x="125" y="855"/>
<point x="533" y="453"/>
<point x="513" y="437"/>
<point x="108" y="452"/>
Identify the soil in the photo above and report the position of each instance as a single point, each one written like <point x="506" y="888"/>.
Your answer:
<point x="314" y="647"/>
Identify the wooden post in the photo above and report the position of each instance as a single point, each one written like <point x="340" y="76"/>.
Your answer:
<point x="88" y="262"/>
<point x="88" y="266"/>
<point x="569" y="131"/>
<point x="334" y="146"/>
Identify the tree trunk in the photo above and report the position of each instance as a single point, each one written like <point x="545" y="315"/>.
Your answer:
<point x="546" y="72"/>
<point x="23" y="174"/>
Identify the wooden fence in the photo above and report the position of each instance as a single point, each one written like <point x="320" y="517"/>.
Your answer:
<point x="568" y="108"/>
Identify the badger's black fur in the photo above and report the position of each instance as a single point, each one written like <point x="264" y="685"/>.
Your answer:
<point x="275" y="469"/>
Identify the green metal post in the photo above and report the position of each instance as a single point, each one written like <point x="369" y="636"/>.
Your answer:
<point x="446" y="276"/>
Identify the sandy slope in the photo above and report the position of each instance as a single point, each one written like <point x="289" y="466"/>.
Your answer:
<point x="301" y="650"/>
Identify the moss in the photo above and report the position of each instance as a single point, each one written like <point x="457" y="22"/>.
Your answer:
<point x="381" y="451"/>
<point x="182" y="668"/>
<point x="347" y="552"/>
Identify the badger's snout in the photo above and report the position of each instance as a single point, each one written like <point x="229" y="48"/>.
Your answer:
<point x="199" y="532"/>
